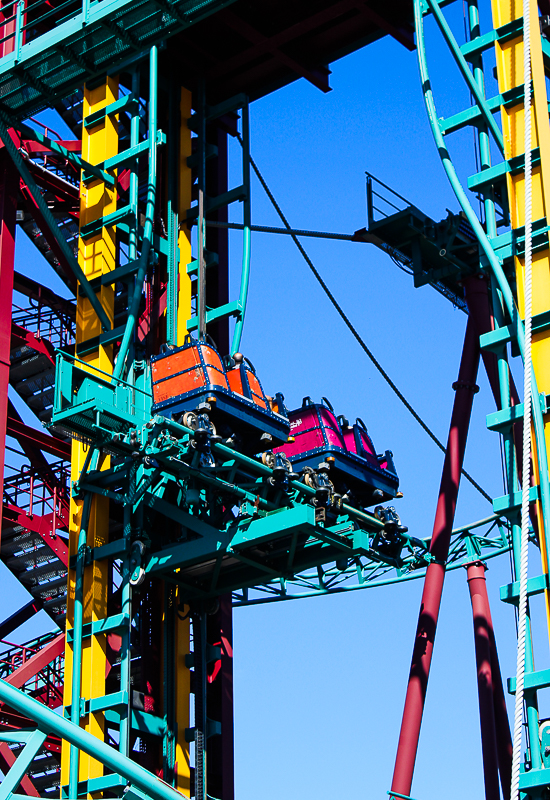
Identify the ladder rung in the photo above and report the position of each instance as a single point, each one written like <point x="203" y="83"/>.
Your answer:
<point x="214" y="203"/>
<point x="480" y="43"/>
<point x="510" y="592"/>
<point x="533" y="778"/>
<point x="104" y="339"/>
<point x="211" y="151"/>
<point x="473" y="115"/>
<point x="497" y="173"/>
<point x="101" y="626"/>
<point x="504" y="419"/>
<point x="210" y="259"/>
<point x="495" y="340"/>
<point x="126" y="155"/>
<point x="532" y="680"/>
<point x="512" y="502"/>
<point x="227" y="310"/>
<point x="98" y="116"/>
<point x="93" y="228"/>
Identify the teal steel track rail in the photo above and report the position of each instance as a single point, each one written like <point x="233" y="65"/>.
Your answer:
<point x="143" y="261"/>
<point x="48" y="722"/>
<point x="494" y="261"/>
<point x="92" y="39"/>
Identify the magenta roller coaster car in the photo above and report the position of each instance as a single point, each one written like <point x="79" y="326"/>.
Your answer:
<point x="355" y="467"/>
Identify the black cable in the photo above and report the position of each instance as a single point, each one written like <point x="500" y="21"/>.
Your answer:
<point x="357" y="336"/>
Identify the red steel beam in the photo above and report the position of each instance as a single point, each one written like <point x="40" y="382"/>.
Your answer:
<point x="7" y="760"/>
<point x="21" y="337"/>
<point x="43" y="526"/>
<point x="9" y="183"/>
<point x="482" y="640"/>
<point x="37" y="662"/>
<point x="32" y="437"/>
<point x="465" y="388"/>
<point x="44" y="296"/>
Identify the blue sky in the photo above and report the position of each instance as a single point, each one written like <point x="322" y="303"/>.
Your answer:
<point x="320" y="683"/>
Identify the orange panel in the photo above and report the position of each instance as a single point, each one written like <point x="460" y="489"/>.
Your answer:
<point x="177" y="362"/>
<point x="178" y="384"/>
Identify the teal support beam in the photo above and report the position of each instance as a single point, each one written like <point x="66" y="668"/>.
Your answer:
<point x="143" y="262"/>
<point x="467" y="75"/>
<point x="50" y="722"/>
<point x="11" y="781"/>
<point x="78" y="616"/>
<point x="245" y="272"/>
<point x="494" y="261"/>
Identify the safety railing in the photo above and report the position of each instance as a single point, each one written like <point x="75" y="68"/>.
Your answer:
<point x="23" y="21"/>
<point x="382" y="200"/>
<point x="41" y="320"/>
<point x="30" y="489"/>
<point x="46" y="684"/>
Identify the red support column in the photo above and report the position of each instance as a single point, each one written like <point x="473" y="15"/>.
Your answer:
<point x="465" y="388"/>
<point x="9" y="185"/>
<point x="502" y="723"/>
<point x="482" y="627"/>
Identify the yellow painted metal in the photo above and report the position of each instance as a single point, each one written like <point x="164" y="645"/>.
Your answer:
<point x="509" y="59"/>
<point x="96" y="256"/>
<point x="182" y="626"/>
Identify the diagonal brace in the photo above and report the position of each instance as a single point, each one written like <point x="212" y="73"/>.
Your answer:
<point x="467" y="75"/>
<point x="38" y="198"/>
<point x="30" y="133"/>
<point x="21" y="765"/>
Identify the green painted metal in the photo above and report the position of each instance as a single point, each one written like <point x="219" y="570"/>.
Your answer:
<point x="50" y="722"/>
<point x="11" y="781"/>
<point x="99" y="36"/>
<point x="503" y="300"/>
<point x="236" y="309"/>
<point x="77" y="639"/>
<point x="149" y="218"/>
<point x="245" y="271"/>
<point x="466" y="73"/>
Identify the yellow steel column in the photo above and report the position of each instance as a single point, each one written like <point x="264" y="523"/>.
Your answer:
<point x="509" y="59"/>
<point x="96" y="257"/>
<point x="182" y="680"/>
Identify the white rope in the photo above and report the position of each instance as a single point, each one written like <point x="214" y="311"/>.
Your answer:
<point x="527" y="368"/>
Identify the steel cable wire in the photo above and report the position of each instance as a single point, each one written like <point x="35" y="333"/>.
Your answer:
<point x="355" y="333"/>
<point x="527" y="401"/>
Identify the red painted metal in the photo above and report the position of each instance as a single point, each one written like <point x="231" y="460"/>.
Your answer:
<point x="26" y="435"/>
<point x="220" y="761"/>
<point x="37" y="662"/>
<point x="465" y="388"/>
<point x="9" y="182"/>
<point x="7" y="760"/>
<point x="21" y="337"/>
<point x="44" y="526"/>
<point x="482" y="626"/>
